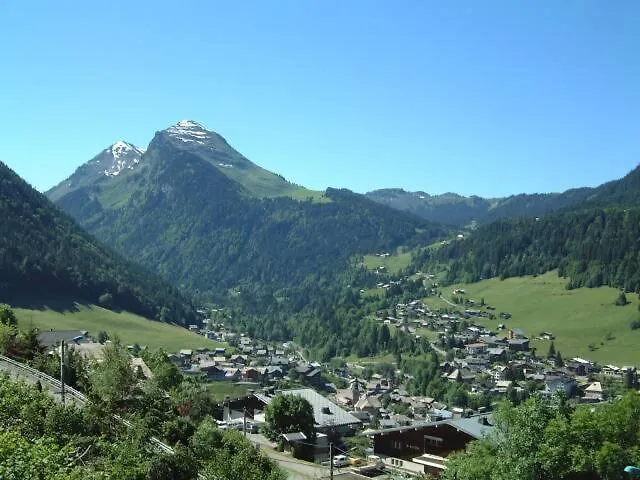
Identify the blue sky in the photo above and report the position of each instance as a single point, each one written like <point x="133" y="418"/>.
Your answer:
<point x="487" y="98"/>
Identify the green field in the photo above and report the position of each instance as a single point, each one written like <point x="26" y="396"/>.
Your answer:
<point x="219" y="390"/>
<point x="578" y="318"/>
<point x="393" y="263"/>
<point x="129" y="327"/>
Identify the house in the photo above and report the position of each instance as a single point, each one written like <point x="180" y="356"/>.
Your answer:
<point x="51" y="338"/>
<point x="279" y="360"/>
<point x="460" y="375"/>
<point x="501" y="386"/>
<point x="515" y="333"/>
<point x="499" y="373"/>
<point x="273" y="372"/>
<point x="239" y="359"/>
<point x="476" y="348"/>
<point x="557" y="383"/>
<point x="424" y="447"/>
<point x="593" y="393"/>
<point x="496" y="354"/>
<point x="251" y="374"/>
<point x="518" y="344"/>
<point x="368" y="403"/>
<point x="329" y="418"/>
<point x="291" y="440"/>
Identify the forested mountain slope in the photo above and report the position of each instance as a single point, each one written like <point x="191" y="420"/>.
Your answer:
<point x="182" y="214"/>
<point x="592" y="247"/>
<point x="43" y="251"/>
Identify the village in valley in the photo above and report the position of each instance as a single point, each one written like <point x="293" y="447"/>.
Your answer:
<point x="364" y="408"/>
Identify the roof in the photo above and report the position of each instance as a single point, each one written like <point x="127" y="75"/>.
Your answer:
<point x="595" y="387"/>
<point x="336" y="416"/>
<point x="51" y="338"/>
<point x="294" y="437"/>
<point x="472" y="426"/>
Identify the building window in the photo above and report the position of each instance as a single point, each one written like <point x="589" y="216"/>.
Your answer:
<point x="397" y="445"/>
<point x="430" y="441"/>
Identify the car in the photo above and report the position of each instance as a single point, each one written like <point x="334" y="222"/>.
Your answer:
<point x="340" y="461"/>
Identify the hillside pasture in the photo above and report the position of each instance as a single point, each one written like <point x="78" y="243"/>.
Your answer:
<point x="130" y="328"/>
<point x="585" y="321"/>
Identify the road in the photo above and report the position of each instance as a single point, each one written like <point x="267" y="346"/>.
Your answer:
<point x="296" y="469"/>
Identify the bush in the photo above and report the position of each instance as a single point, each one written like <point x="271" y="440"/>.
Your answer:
<point x="621" y="301"/>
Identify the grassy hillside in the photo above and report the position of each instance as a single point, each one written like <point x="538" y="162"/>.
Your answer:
<point x="585" y="321"/>
<point x="393" y="263"/>
<point x="129" y="327"/>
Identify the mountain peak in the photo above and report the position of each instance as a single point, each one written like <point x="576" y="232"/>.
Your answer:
<point x="124" y="155"/>
<point x="189" y="131"/>
<point x="121" y="148"/>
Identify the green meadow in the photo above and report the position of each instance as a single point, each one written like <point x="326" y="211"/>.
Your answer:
<point x="130" y="328"/>
<point x="585" y="321"/>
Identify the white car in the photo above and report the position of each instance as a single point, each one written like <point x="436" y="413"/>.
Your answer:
<point x="340" y="461"/>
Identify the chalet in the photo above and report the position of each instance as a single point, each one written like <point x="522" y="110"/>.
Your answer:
<point x="501" y="386"/>
<point x="499" y="372"/>
<point x="251" y="374"/>
<point x="476" y="348"/>
<point x="52" y="337"/>
<point x="593" y="393"/>
<point x="279" y="360"/>
<point x="240" y="359"/>
<point x="556" y="383"/>
<point x="496" y="354"/>
<point x="460" y="375"/>
<point x="368" y="403"/>
<point x="329" y="418"/>
<point x="273" y="372"/>
<point x="424" y="447"/>
<point x="518" y="344"/>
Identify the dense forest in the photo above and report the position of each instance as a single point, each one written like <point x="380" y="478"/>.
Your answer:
<point x="184" y="218"/>
<point x="591" y="248"/>
<point x="43" y="252"/>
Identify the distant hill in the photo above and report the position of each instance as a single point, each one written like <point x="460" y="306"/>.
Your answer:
<point x="43" y="251"/>
<point x="210" y="221"/>
<point x="590" y="247"/>
<point x="460" y="211"/>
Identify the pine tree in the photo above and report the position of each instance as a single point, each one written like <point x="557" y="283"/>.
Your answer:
<point x="558" y="360"/>
<point x="552" y="351"/>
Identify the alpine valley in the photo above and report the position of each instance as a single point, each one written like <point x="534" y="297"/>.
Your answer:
<point x="292" y="263"/>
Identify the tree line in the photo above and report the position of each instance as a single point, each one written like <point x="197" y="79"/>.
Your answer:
<point x="590" y="248"/>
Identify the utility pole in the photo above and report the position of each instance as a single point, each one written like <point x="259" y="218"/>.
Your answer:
<point x="62" y="370"/>
<point x="331" y="460"/>
<point x="244" y="421"/>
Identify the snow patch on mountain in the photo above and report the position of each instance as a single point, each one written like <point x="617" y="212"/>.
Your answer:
<point x="189" y="131"/>
<point x="124" y="156"/>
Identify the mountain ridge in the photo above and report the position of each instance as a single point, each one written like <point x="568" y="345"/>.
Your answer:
<point x="461" y="211"/>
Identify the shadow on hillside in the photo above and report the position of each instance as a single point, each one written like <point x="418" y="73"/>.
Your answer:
<point x="56" y="304"/>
